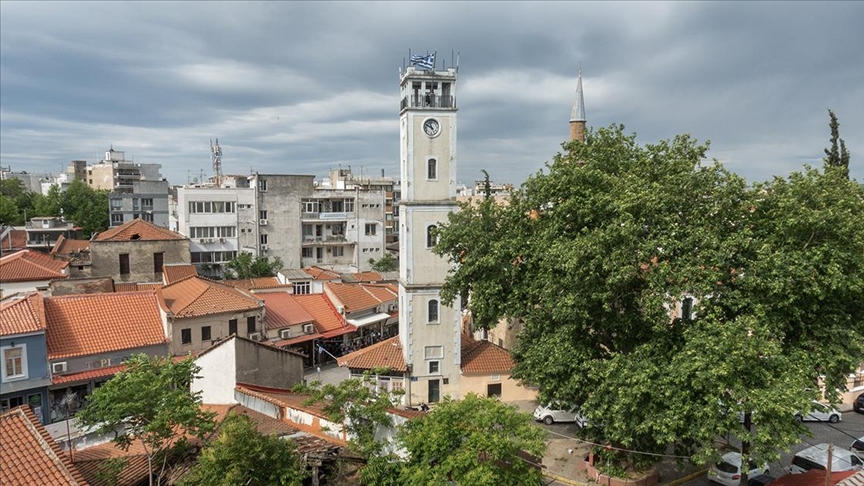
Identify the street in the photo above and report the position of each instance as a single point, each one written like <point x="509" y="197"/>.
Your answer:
<point x="841" y="435"/>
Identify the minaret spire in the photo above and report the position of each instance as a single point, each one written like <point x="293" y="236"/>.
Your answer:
<point x="577" y="114"/>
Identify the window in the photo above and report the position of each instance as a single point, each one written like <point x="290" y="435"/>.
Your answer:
<point x="135" y="205"/>
<point x="434" y="391"/>
<point x="211" y="206"/>
<point x="349" y="205"/>
<point x="371" y="229"/>
<point x="431" y="236"/>
<point x="432" y="312"/>
<point x="308" y="252"/>
<point x="262" y="185"/>
<point x="14" y="362"/>
<point x="338" y="251"/>
<point x="13" y="402"/>
<point x="186" y="336"/>
<point x="263" y="239"/>
<point x="687" y="309"/>
<point x="232" y="327"/>
<point x="302" y="288"/>
<point x="124" y="264"/>
<point x="339" y="206"/>
<point x="432" y="169"/>
<point x="250" y="324"/>
<point x="433" y="352"/>
<point x="158" y="261"/>
<point x="434" y="367"/>
<point x="205" y="333"/>
<point x="262" y="214"/>
<point x="493" y="390"/>
<point x="147" y="204"/>
<point x="116" y="204"/>
<point x="310" y="206"/>
<point x="116" y="218"/>
<point x="147" y="217"/>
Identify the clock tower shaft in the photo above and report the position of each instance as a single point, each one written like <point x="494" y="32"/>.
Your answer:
<point x="430" y="332"/>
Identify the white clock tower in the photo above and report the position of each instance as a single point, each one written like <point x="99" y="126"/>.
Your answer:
<point x="430" y="332"/>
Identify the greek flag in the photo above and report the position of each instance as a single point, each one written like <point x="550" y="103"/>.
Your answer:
<point x="426" y="62"/>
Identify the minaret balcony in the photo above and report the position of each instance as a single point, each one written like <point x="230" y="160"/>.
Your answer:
<point x="427" y="101"/>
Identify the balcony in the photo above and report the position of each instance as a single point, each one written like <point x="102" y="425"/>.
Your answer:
<point x="427" y="101"/>
<point x="327" y="216"/>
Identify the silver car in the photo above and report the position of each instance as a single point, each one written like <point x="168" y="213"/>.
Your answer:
<point x="559" y="412"/>
<point x="820" y="413"/>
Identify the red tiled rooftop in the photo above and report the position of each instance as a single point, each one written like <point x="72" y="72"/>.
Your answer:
<point x="282" y="310"/>
<point x="196" y="296"/>
<point x="256" y="283"/>
<point x="357" y="296"/>
<point x="29" y="455"/>
<point x="327" y="319"/>
<point x="319" y="273"/>
<point x="66" y="246"/>
<point x="385" y="354"/>
<point x="23" y="315"/>
<point x="85" y="324"/>
<point x="138" y="230"/>
<point x="28" y="265"/>
<point x="367" y="276"/>
<point x="87" y="375"/>
<point x="483" y="357"/>
<point x="173" y="273"/>
<point x="14" y="239"/>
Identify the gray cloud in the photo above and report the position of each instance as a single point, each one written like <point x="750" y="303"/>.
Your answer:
<point x="300" y="87"/>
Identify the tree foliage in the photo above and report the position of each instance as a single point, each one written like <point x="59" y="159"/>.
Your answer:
<point x="85" y="206"/>
<point x="595" y="255"/>
<point x="152" y="402"/>
<point x="242" y="455"/>
<point x="246" y="265"/>
<point x="387" y="263"/>
<point x="838" y="154"/>
<point x="476" y="440"/>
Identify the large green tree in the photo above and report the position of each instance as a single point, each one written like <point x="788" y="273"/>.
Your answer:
<point x="86" y="207"/>
<point x="476" y="440"/>
<point x="246" y="265"/>
<point x="597" y="255"/>
<point x="241" y="455"/>
<point x="837" y="155"/>
<point x="387" y="263"/>
<point x="150" y="401"/>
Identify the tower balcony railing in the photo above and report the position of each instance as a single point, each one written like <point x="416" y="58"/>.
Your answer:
<point x="427" y="101"/>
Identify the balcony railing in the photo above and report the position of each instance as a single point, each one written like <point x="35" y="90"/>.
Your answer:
<point x="427" y="101"/>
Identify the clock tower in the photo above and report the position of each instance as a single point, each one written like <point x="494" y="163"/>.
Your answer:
<point x="429" y="331"/>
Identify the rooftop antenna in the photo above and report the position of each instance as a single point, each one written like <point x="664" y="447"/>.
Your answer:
<point x="216" y="155"/>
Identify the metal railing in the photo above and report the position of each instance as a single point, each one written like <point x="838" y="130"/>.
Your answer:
<point x="427" y="101"/>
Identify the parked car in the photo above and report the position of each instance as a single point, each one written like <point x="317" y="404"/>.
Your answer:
<point x="820" y="413"/>
<point x="858" y="404"/>
<point x="858" y="446"/>
<point x="816" y="457"/>
<point x="728" y="470"/>
<point x="559" y="412"/>
<point x="760" y="480"/>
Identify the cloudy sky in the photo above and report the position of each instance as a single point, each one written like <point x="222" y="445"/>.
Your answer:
<point x="301" y="87"/>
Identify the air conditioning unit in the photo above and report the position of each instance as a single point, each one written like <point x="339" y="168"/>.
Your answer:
<point x="392" y="307"/>
<point x="221" y="240"/>
<point x="284" y="333"/>
<point x="58" y="367"/>
<point x="211" y="240"/>
<point x="378" y="310"/>
<point x="255" y="336"/>
<point x="262" y="222"/>
<point x="308" y="328"/>
<point x="263" y="247"/>
<point x="202" y="241"/>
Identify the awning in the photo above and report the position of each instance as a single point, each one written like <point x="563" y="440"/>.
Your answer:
<point x="365" y="321"/>
<point x="297" y="340"/>
<point x="88" y="375"/>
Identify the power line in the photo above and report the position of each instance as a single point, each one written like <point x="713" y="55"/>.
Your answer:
<point x="610" y="447"/>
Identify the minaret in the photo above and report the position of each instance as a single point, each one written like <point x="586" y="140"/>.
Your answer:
<point x="577" y="114"/>
<point x="429" y="332"/>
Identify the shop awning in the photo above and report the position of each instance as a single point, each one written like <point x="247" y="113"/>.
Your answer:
<point x="365" y="321"/>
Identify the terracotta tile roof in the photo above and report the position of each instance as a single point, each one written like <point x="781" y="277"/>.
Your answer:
<point x="366" y="276"/>
<point x="319" y="273"/>
<point x="138" y="230"/>
<point x="483" y="357"/>
<point x="357" y="296"/>
<point x="385" y="354"/>
<point x="256" y="283"/>
<point x="23" y="315"/>
<point x="197" y="296"/>
<point x="173" y="273"/>
<point x="125" y="287"/>
<point x="85" y="324"/>
<point x="263" y="423"/>
<point x="134" y="470"/>
<point x="14" y="239"/>
<point x="282" y="310"/>
<point x="28" y="265"/>
<point x="66" y="246"/>
<point x="87" y="375"/>
<point x="29" y="455"/>
<point x="326" y="317"/>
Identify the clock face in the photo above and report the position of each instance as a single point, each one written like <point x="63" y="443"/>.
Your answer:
<point x="431" y="127"/>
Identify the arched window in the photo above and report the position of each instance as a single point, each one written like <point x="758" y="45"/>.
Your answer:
<point x="431" y="237"/>
<point x="432" y="313"/>
<point x="432" y="169"/>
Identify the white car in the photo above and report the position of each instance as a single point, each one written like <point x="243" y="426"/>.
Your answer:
<point x="728" y="470"/>
<point x="820" y="413"/>
<point x="558" y="412"/>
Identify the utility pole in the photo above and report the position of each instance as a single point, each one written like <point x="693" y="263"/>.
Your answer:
<point x="828" y="465"/>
